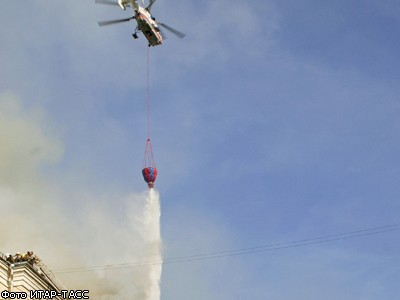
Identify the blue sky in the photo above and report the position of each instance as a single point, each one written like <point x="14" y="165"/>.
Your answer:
<point x="272" y="121"/>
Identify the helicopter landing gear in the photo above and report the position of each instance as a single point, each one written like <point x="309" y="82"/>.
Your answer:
<point x="135" y="36"/>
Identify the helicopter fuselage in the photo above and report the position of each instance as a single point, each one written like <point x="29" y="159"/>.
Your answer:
<point x="149" y="27"/>
<point x="146" y="23"/>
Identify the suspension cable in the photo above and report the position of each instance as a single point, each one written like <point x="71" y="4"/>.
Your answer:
<point x="148" y="93"/>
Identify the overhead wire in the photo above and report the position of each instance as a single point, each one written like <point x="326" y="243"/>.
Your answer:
<point x="242" y="251"/>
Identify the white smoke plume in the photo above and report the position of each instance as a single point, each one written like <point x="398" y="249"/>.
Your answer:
<point x="101" y="231"/>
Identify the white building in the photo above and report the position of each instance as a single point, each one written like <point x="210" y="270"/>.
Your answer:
<point x="26" y="274"/>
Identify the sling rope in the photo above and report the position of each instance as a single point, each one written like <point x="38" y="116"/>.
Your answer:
<point x="148" y="93"/>
<point x="148" y="155"/>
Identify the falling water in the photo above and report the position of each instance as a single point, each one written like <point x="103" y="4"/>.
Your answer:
<point x="151" y="222"/>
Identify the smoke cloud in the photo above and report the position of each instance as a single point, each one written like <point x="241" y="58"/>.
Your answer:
<point x="101" y="231"/>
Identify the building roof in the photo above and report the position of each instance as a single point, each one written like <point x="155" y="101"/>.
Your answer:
<point x="27" y="274"/>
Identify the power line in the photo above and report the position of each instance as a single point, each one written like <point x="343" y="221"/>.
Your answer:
<point x="242" y="251"/>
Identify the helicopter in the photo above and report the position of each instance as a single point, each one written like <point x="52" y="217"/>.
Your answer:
<point x="146" y="23"/>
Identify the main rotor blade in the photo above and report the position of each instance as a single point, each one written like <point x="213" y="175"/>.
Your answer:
<point x="150" y="4"/>
<point x="108" y="2"/>
<point x="174" y="31"/>
<point x="111" y="22"/>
